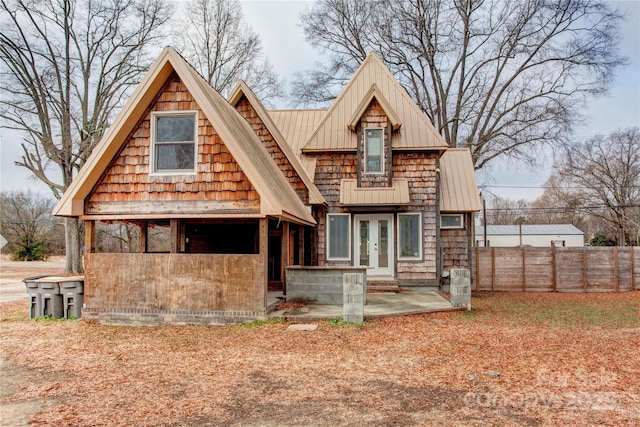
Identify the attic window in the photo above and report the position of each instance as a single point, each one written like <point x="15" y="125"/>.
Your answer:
<point x="173" y="142"/>
<point x="373" y="151"/>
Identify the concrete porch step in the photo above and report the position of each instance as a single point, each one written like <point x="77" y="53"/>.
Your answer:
<point x="385" y="285"/>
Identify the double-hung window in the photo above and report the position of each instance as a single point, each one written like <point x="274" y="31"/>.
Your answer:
<point x="338" y="237"/>
<point x="409" y="236"/>
<point x="174" y="142"/>
<point x="374" y="151"/>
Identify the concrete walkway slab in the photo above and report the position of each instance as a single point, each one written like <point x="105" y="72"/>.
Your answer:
<point x="303" y="327"/>
<point x="405" y="302"/>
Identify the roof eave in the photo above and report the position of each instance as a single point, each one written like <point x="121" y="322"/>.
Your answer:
<point x="72" y="201"/>
<point x="242" y="89"/>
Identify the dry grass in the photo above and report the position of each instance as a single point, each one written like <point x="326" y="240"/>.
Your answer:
<point x="438" y="369"/>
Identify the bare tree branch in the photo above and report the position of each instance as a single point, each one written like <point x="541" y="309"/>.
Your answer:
<point x="502" y="78"/>
<point x="223" y="48"/>
<point x="66" y="67"/>
<point x="606" y="170"/>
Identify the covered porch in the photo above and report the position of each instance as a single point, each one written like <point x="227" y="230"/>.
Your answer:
<point x="188" y="270"/>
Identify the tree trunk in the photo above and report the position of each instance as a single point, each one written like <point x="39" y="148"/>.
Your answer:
<point x="74" y="241"/>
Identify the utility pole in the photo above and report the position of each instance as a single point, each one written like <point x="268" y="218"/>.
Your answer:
<point x="520" y="221"/>
<point x="484" y="222"/>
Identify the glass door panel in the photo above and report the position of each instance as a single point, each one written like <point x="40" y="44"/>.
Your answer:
<point x="363" y="242"/>
<point x="383" y="243"/>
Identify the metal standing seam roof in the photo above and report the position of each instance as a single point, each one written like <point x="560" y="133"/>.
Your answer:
<point x="530" y="229"/>
<point x="315" y="197"/>
<point x="352" y="195"/>
<point x="297" y="125"/>
<point x="277" y="198"/>
<point x="417" y="131"/>
<point x="458" y="186"/>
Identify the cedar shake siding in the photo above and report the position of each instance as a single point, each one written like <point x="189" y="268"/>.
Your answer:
<point x="247" y="111"/>
<point x="419" y="168"/>
<point x="331" y="167"/>
<point x="218" y="179"/>
<point x="456" y="245"/>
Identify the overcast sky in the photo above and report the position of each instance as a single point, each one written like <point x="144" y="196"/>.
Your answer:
<point x="283" y="42"/>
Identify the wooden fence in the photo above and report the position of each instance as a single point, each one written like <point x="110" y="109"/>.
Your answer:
<point x="556" y="269"/>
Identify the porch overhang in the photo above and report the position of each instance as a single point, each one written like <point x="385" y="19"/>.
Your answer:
<point x="352" y="195"/>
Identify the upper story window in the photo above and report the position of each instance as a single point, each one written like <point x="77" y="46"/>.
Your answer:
<point x="374" y="151"/>
<point x="174" y="142"/>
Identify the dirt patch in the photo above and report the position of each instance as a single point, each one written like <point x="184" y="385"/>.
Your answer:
<point x="17" y="406"/>
<point x="11" y="274"/>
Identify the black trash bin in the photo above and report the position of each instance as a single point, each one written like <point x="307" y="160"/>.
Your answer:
<point x="51" y="299"/>
<point x="35" y="298"/>
<point x="71" y="289"/>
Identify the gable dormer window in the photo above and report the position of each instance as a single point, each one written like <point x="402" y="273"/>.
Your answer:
<point x="374" y="151"/>
<point x="174" y="142"/>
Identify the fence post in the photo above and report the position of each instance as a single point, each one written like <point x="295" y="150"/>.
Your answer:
<point x="616" y="267"/>
<point x="524" y="272"/>
<point x="585" y="280"/>
<point x="477" y="266"/>
<point x="554" y="273"/>
<point x="633" y="270"/>
<point x="493" y="269"/>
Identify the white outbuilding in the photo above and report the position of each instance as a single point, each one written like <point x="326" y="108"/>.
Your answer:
<point x="540" y="235"/>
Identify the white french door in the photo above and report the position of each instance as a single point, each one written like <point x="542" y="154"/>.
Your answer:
<point x="374" y="244"/>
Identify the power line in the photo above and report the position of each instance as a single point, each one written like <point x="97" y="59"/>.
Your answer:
<point x="562" y="209"/>
<point x="543" y="187"/>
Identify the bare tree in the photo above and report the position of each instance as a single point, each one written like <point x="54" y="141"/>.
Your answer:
<point x="503" y="211"/>
<point x="499" y="77"/>
<point x="118" y="237"/>
<point x="26" y="222"/>
<point x="66" y="67"/>
<point x="605" y="171"/>
<point x="224" y="49"/>
<point x="560" y="203"/>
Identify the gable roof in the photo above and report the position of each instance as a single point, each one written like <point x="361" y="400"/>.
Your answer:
<point x="277" y="198"/>
<point x="417" y="133"/>
<point x="315" y="197"/>
<point x="458" y="186"/>
<point x="374" y="93"/>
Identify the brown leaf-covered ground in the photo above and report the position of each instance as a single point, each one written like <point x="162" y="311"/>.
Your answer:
<point x="516" y="359"/>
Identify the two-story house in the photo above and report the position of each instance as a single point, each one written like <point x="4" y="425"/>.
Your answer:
<point x="226" y="194"/>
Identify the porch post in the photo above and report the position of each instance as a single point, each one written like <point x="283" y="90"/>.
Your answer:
<point x="284" y="249"/>
<point x="264" y="251"/>
<point x="301" y="244"/>
<point x="89" y="236"/>
<point x="144" y="227"/>
<point x="174" y="225"/>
